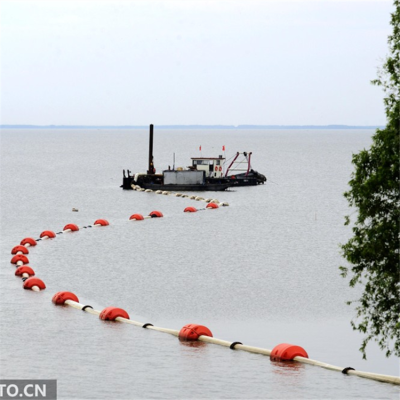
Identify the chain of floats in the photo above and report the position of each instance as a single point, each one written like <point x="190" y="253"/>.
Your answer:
<point x="190" y="332"/>
<point x="167" y="193"/>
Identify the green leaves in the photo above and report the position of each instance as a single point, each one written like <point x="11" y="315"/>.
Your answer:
<point x="374" y="250"/>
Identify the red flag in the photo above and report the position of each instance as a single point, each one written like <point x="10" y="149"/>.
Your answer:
<point x="200" y="148"/>
<point x="223" y="148"/>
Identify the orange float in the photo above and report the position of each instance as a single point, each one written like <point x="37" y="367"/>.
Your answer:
<point x="137" y="217"/>
<point x="102" y="222"/>
<point x="156" y="214"/>
<point x="24" y="269"/>
<point x="110" y="313"/>
<point x="212" y="205"/>
<point x="72" y="227"/>
<point x="190" y="209"/>
<point x="192" y="332"/>
<point x="20" y="258"/>
<point x="286" y="351"/>
<point x="49" y="234"/>
<point x="20" y="248"/>
<point x="61" y="297"/>
<point x="28" y="240"/>
<point x="33" y="281"/>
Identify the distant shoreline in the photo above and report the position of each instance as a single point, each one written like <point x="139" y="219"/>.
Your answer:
<point x="233" y="127"/>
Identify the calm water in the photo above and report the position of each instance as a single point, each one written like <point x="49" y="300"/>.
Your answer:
<point x="263" y="271"/>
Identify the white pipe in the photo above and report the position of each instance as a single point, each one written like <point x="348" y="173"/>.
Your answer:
<point x="317" y="363"/>
<point x="44" y="237"/>
<point x="67" y="230"/>
<point x="251" y="349"/>
<point x="213" y="340"/>
<point x="25" y="275"/>
<point x="165" y="330"/>
<point x="27" y="244"/>
<point x="35" y="288"/>
<point x="137" y="176"/>
<point x="79" y="306"/>
<point x="376" y="377"/>
<point x="369" y="375"/>
<point x="129" y="321"/>
<point x="19" y="263"/>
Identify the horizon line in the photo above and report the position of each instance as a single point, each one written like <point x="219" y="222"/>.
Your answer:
<point x="191" y="126"/>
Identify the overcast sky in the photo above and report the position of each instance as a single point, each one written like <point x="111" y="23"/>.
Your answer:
<point x="123" y="62"/>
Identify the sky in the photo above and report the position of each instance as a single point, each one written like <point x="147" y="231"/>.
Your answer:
<point x="135" y="62"/>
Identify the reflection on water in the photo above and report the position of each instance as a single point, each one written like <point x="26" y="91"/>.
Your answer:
<point x="286" y="367"/>
<point x="192" y="344"/>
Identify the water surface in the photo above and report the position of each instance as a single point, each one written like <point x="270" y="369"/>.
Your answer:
<point x="262" y="271"/>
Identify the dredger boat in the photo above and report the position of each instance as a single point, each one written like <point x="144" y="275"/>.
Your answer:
<point x="205" y="174"/>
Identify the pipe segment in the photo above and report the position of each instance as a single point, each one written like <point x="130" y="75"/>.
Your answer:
<point x="370" y="375"/>
<point x="79" y="306"/>
<point x="251" y="349"/>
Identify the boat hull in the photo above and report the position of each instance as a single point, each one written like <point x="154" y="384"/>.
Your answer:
<point x="158" y="185"/>
<point x="219" y="187"/>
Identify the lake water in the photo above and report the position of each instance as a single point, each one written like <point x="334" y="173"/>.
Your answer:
<point x="262" y="271"/>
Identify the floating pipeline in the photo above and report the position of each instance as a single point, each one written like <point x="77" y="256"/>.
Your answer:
<point x="209" y="206"/>
<point x="20" y="260"/>
<point x="175" y="194"/>
<point x="20" y="249"/>
<point x="28" y="242"/>
<point x="190" y="332"/>
<point x="195" y="332"/>
<point x="34" y="283"/>
<point x="24" y="271"/>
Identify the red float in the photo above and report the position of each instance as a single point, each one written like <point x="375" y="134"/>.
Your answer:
<point x="102" y="222"/>
<point x="49" y="234"/>
<point x="212" y="205"/>
<point x="20" y="248"/>
<point x="28" y="240"/>
<point x="286" y="351"/>
<point x="24" y="269"/>
<point x="190" y="209"/>
<point x="61" y="297"/>
<point x="192" y="332"/>
<point x="20" y="257"/>
<point x="110" y="313"/>
<point x="33" y="281"/>
<point x="137" y="217"/>
<point x="156" y="214"/>
<point x="72" y="227"/>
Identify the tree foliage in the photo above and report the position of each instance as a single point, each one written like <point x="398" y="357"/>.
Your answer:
<point x="374" y="249"/>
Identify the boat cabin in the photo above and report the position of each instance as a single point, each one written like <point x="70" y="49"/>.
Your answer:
<point x="212" y="166"/>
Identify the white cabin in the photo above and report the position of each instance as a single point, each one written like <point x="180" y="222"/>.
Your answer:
<point x="212" y="166"/>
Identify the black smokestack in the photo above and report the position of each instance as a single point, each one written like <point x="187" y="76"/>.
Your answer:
<point x="151" y="169"/>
